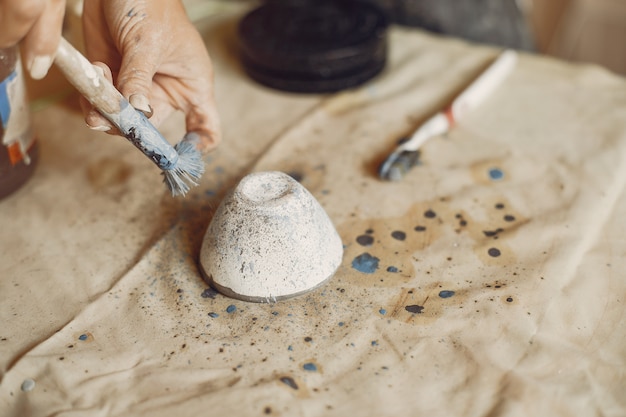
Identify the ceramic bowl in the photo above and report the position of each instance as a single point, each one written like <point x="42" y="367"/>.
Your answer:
<point x="268" y="240"/>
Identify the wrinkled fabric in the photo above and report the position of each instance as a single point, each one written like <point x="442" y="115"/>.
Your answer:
<point x="494" y="283"/>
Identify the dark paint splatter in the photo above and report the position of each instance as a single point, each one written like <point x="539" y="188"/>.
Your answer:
<point x="398" y="235"/>
<point x="290" y="382"/>
<point x="499" y="206"/>
<point x="209" y="293"/>
<point x="365" y="263"/>
<point x="365" y="240"/>
<point x="308" y="339"/>
<point x="213" y="315"/>
<point x="430" y="214"/>
<point x="414" y="309"/>
<point x="446" y="294"/>
<point x="231" y="308"/>
<point x="494" y="252"/>
<point x="509" y="218"/>
<point x="369" y="231"/>
<point x="491" y="233"/>
<point x="420" y="228"/>
<point x="392" y="269"/>
<point x="509" y="299"/>
<point x="83" y="337"/>
<point x="309" y="367"/>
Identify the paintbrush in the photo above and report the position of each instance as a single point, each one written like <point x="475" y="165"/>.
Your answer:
<point x="406" y="154"/>
<point x="181" y="165"/>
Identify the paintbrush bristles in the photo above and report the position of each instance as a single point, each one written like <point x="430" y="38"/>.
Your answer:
<point x="187" y="171"/>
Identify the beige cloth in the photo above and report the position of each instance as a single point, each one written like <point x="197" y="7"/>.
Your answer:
<point x="104" y="312"/>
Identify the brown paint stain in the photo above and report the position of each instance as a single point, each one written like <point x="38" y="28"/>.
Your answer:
<point x="108" y="172"/>
<point x="428" y="298"/>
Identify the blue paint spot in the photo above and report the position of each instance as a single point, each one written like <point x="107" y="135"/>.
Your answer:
<point x="231" y="308"/>
<point x="310" y="367"/>
<point x="496" y="174"/>
<point x="290" y="347"/>
<point x="341" y="323"/>
<point x="365" y="263"/>
<point x="392" y="269"/>
<point x="83" y="337"/>
<point x="274" y="313"/>
<point x="446" y="294"/>
<point x="213" y="315"/>
<point x="382" y="311"/>
<point x="374" y="342"/>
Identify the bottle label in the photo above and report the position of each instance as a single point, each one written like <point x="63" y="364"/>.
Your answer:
<point x="15" y="116"/>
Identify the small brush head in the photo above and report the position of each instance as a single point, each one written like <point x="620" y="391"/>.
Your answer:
<point x="397" y="165"/>
<point x="186" y="171"/>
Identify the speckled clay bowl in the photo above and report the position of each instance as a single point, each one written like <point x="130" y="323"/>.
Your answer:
<point x="269" y="240"/>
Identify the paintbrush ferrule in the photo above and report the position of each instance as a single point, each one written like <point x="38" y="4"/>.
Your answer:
<point x="136" y="127"/>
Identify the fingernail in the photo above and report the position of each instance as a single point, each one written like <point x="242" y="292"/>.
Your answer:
<point x="39" y="66"/>
<point x="141" y="103"/>
<point x="101" y="128"/>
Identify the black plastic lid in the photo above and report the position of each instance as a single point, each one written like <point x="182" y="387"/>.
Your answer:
<point x="313" y="48"/>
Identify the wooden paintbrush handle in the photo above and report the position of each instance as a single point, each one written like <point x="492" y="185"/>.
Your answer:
<point x="103" y="95"/>
<point x="88" y="80"/>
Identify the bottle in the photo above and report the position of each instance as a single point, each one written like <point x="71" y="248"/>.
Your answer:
<point x="19" y="150"/>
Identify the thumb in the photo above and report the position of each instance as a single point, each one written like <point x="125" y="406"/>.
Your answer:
<point x="135" y="77"/>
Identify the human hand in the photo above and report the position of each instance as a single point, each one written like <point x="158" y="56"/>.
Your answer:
<point x="156" y="59"/>
<point x="37" y="25"/>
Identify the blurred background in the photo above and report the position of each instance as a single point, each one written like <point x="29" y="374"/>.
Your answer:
<point x="589" y="31"/>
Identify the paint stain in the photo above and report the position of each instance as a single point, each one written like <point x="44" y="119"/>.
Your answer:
<point x="492" y="233"/>
<point x="430" y="214"/>
<point x="28" y="385"/>
<point x="365" y="263"/>
<point x="398" y="235"/>
<point x="231" y="309"/>
<point x="496" y="174"/>
<point x="446" y="294"/>
<point x="509" y="299"/>
<point x="209" y="293"/>
<point x="85" y="337"/>
<point x="414" y="308"/>
<point x="365" y="240"/>
<point x="509" y="218"/>
<point x="499" y="206"/>
<point x="494" y="252"/>
<point x="419" y="228"/>
<point x="392" y="269"/>
<point x="486" y="172"/>
<point x="213" y="315"/>
<point x="310" y="366"/>
<point x="290" y="382"/>
<point x="108" y="172"/>
<point x="382" y="311"/>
